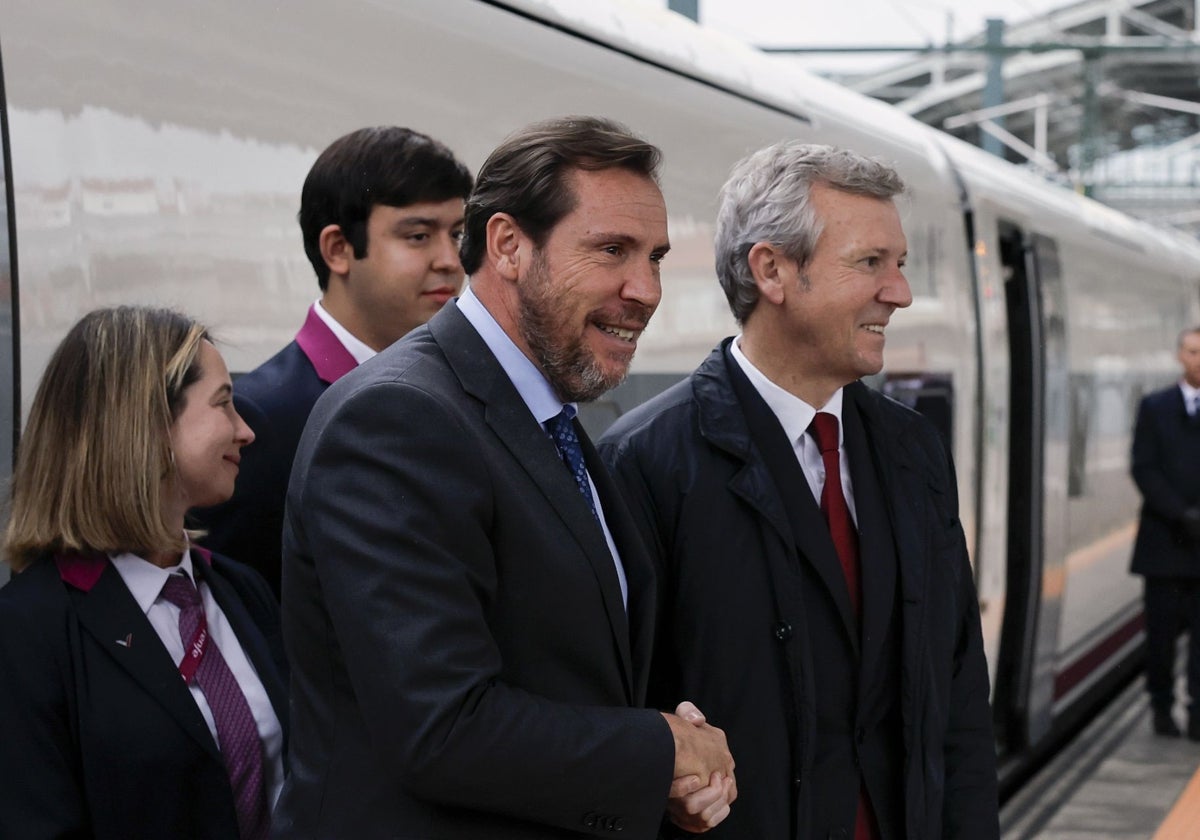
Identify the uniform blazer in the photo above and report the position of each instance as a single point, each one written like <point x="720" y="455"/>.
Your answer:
<point x="275" y="400"/>
<point x="735" y="574"/>
<point x="99" y="735"/>
<point x="463" y="666"/>
<point x="1166" y="468"/>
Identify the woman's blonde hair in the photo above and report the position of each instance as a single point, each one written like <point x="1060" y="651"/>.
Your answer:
<point x="96" y="450"/>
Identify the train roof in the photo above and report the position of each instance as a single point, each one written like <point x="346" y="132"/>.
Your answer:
<point x="670" y="41"/>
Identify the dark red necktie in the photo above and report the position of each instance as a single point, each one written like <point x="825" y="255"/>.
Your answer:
<point x="824" y="430"/>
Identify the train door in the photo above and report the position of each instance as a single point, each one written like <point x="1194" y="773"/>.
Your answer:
<point x="1036" y="486"/>
<point x="9" y="345"/>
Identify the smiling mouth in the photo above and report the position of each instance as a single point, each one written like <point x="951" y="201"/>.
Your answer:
<point x="620" y="332"/>
<point x="875" y="328"/>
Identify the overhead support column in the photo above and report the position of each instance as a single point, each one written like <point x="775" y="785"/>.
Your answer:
<point x="690" y="8"/>
<point x="993" y="91"/>
<point x="1089" y="141"/>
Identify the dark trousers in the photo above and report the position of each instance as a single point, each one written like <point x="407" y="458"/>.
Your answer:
<point x="1172" y="605"/>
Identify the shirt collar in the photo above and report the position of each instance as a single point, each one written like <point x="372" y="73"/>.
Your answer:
<point x="360" y="351"/>
<point x="1189" y="393"/>
<point x="530" y="382"/>
<point x="144" y="579"/>
<point x="795" y="415"/>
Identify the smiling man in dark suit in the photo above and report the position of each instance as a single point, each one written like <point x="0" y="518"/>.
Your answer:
<point x="468" y="608"/>
<point x="1166" y="468"/>
<point x="817" y="599"/>
<point x="381" y="215"/>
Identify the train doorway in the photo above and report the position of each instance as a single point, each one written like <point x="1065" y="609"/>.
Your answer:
<point x="1038" y="361"/>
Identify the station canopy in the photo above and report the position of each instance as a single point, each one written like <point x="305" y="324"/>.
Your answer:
<point x="1103" y="95"/>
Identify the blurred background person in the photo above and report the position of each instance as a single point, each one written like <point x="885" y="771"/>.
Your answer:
<point x="141" y="678"/>
<point x="1166" y="468"/>
<point x="381" y="214"/>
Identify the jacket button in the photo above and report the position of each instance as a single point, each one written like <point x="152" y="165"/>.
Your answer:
<point x="619" y="824"/>
<point x="589" y="819"/>
<point x="783" y="631"/>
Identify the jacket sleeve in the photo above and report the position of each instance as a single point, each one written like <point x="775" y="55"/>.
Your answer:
<point x="398" y="512"/>
<point x="41" y="795"/>
<point x="1147" y="459"/>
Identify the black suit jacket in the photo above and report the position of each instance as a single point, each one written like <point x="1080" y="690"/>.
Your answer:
<point x="1166" y="468"/>
<point x="754" y="610"/>
<point x="462" y="663"/>
<point x="99" y="736"/>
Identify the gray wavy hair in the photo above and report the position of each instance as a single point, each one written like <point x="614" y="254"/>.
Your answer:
<point x="766" y="199"/>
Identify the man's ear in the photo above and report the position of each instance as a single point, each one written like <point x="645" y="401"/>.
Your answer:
<point x="771" y="268"/>
<point x="506" y="244"/>
<point x="336" y="249"/>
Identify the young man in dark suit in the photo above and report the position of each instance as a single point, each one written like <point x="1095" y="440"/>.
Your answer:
<point x="381" y="215"/>
<point x="816" y="596"/>
<point x="468" y="609"/>
<point x="1166" y="468"/>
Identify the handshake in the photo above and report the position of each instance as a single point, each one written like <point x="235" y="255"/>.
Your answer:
<point x="704" y="786"/>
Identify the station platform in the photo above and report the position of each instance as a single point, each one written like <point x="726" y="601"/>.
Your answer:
<point x="1117" y="780"/>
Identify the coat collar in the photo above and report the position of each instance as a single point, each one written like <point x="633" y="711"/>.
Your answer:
<point x="510" y="419"/>
<point x="329" y="358"/>
<point x="109" y="613"/>
<point x="893" y="444"/>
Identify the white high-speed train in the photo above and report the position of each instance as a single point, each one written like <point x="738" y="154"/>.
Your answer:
<point x="154" y="152"/>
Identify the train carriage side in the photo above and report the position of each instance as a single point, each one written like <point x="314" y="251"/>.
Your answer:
<point x="152" y="168"/>
<point x="1079" y="306"/>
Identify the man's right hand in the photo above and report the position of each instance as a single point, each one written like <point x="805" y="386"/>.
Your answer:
<point x="701" y="756"/>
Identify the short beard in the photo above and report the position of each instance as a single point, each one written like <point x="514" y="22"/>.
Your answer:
<point x="571" y="369"/>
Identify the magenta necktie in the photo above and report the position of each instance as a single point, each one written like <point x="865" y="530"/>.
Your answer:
<point x="237" y="733"/>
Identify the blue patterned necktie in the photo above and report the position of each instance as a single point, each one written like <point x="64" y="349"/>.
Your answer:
<point x="562" y="430"/>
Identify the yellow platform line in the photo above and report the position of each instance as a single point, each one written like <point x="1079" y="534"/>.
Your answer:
<point x="1183" y="823"/>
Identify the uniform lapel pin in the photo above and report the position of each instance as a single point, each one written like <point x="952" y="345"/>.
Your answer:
<point x="126" y="642"/>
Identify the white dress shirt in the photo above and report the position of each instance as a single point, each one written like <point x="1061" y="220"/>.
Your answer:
<point x="145" y="581"/>
<point x="1190" y="395"/>
<point x="360" y="351"/>
<point x="795" y="415"/>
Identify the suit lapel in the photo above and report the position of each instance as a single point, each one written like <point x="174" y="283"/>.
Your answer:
<point x="110" y="614"/>
<point x="877" y="556"/>
<point x="806" y="528"/>
<point x="637" y="617"/>
<point x="248" y="635"/>
<point x="533" y="450"/>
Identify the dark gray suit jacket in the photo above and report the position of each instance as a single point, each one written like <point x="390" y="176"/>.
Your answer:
<point x="1166" y="467"/>
<point x="462" y="663"/>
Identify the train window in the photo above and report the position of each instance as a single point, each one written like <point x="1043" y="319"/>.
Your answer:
<point x="1083" y="396"/>
<point x="930" y="394"/>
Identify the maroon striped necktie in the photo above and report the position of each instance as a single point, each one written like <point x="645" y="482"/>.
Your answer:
<point x="824" y="430"/>
<point x="237" y="734"/>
